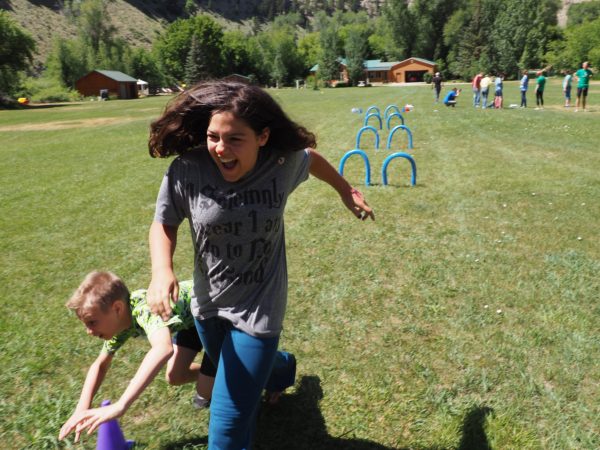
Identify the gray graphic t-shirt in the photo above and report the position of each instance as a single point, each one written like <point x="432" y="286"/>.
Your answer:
<point x="240" y="270"/>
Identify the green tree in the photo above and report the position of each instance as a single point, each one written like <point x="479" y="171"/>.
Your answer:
<point x="236" y="53"/>
<point x="356" y="49"/>
<point x="309" y="49"/>
<point x="579" y="13"/>
<point x="16" y="52"/>
<point x="581" y="43"/>
<point x="67" y="62"/>
<point x="399" y="29"/>
<point x="95" y="25"/>
<point x="430" y="18"/>
<point x="143" y="65"/>
<point x="280" y="55"/>
<point x="486" y="35"/>
<point x="196" y="63"/>
<point x="191" y="8"/>
<point x="329" y="65"/>
<point x="173" y="46"/>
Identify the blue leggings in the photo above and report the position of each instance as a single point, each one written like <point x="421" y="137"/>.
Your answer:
<point x="244" y="365"/>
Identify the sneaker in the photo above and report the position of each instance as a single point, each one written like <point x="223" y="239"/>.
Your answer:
<point x="200" y="402"/>
<point x="283" y="376"/>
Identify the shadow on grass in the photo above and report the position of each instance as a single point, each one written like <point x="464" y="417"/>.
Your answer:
<point x="187" y="443"/>
<point x="296" y="423"/>
<point x="473" y="430"/>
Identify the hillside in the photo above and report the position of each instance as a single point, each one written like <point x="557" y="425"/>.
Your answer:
<point x="139" y="21"/>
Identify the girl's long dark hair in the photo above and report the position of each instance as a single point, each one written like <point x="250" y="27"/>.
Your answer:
<point x="182" y="127"/>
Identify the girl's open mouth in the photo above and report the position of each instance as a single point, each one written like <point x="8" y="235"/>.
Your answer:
<point x="228" y="164"/>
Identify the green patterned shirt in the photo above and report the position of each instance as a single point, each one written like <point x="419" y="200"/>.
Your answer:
<point x="144" y="323"/>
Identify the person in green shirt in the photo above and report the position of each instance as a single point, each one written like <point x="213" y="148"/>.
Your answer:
<point x="109" y="312"/>
<point x="540" y="84"/>
<point x="583" y="82"/>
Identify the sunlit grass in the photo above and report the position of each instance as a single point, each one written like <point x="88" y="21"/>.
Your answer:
<point x="466" y="315"/>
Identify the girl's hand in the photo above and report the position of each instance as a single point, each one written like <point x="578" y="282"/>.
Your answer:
<point x="357" y="204"/>
<point x="163" y="289"/>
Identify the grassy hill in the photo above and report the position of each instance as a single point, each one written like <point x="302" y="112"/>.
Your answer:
<point x="137" y="21"/>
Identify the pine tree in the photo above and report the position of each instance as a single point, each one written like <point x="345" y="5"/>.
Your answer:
<point x="195" y="64"/>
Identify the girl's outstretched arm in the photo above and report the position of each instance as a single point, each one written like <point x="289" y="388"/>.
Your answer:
<point x="163" y="286"/>
<point x="353" y="199"/>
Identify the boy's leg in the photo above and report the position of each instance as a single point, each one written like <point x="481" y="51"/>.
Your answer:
<point x="181" y="368"/>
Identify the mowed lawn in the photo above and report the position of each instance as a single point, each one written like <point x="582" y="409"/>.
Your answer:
<point x="465" y="317"/>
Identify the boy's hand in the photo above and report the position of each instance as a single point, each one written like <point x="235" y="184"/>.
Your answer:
<point x="93" y="418"/>
<point x="161" y="291"/>
<point x="89" y="420"/>
<point x="69" y="426"/>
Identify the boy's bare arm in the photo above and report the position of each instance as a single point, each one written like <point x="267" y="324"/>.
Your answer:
<point x="93" y="381"/>
<point x="155" y="359"/>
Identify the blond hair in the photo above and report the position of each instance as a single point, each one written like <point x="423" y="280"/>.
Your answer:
<point x="99" y="289"/>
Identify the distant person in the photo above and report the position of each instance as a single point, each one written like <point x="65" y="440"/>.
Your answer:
<point x="583" y="82"/>
<point x="498" y="84"/>
<point x="450" y="99"/>
<point x="485" y="90"/>
<point x="436" y="84"/>
<point x="524" y="84"/>
<point x="566" y="85"/>
<point x="540" y="84"/>
<point x="476" y="85"/>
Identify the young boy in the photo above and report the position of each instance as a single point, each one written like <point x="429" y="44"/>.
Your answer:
<point x="103" y="303"/>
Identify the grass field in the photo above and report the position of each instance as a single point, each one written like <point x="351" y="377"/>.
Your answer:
<point x="465" y="317"/>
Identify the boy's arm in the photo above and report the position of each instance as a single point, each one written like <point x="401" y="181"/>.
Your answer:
<point x="92" y="383"/>
<point x="155" y="359"/>
<point x="353" y="199"/>
<point x="163" y="286"/>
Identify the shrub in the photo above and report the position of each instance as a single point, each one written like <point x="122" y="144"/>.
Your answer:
<point x="48" y="90"/>
<point x="427" y="77"/>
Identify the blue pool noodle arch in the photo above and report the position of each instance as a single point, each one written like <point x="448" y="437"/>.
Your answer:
<point x="373" y="108"/>
<point x="368" y="116"/>
<point x="362" y="130"/>
<point x="396" y="114"/>
<point x="396" y="128"/>
<point x="386" y="162"/>
<point x="365" y="158"/>
<point x="390" y="107"/>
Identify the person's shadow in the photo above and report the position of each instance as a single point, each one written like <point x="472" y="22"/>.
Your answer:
<point x="296" y="423"/>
